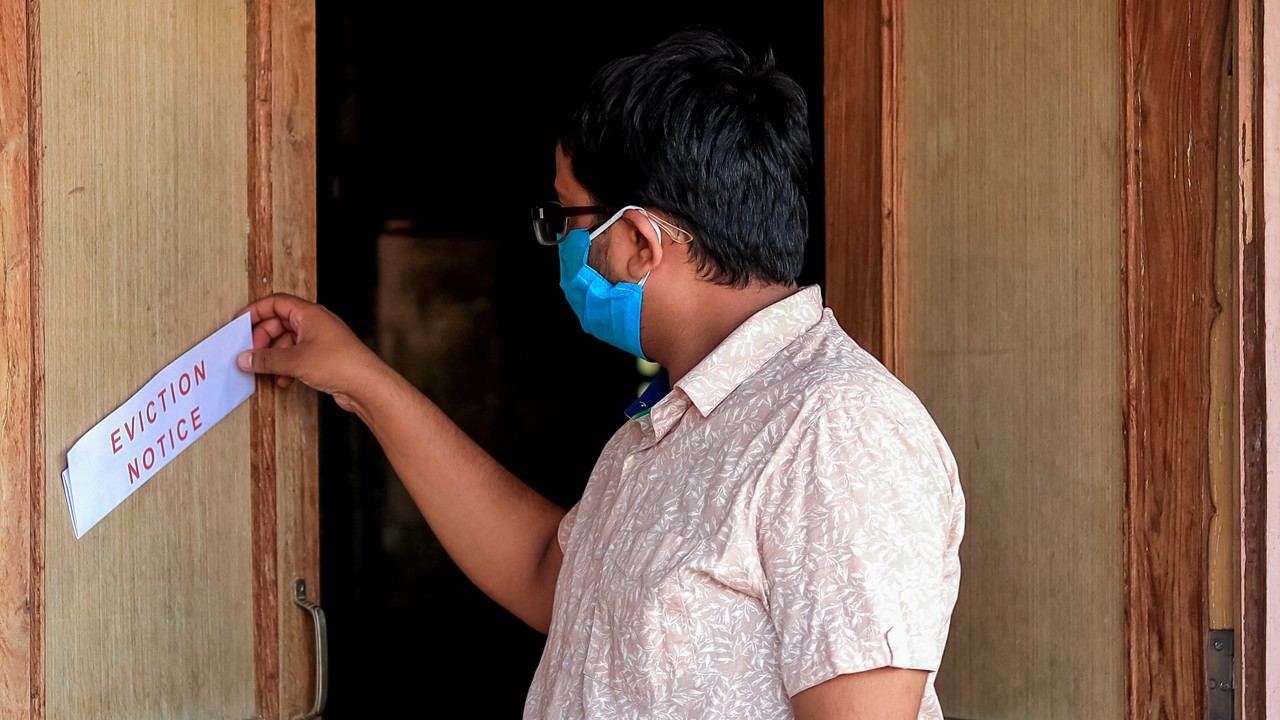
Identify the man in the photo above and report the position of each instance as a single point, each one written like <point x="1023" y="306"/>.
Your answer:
<point x="774" y="531"/>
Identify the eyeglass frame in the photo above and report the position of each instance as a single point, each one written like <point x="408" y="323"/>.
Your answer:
<point x="539" y="217"/>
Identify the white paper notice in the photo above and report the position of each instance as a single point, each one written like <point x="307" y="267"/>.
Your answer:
<point x="112" y="460"/>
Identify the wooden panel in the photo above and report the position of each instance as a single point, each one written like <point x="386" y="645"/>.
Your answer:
<point x="1250" y="220"/>
<point x="267" y="593"/>
<point x="859" y="120"/>
<point x="293" y="223"/>
<point x="1009" y="292"/>
<point x="20" y="473"/>
<point x="1173" y="95"/>
<point x="144" y="252"/>
<point x="1224" y="355"/>
<point x="1267" y="196"/>
<point x="282" y="258"/>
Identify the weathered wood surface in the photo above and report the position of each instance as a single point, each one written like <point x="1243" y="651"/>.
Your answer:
<point x="143" y="254"/>
<point x="1010" y="306"/>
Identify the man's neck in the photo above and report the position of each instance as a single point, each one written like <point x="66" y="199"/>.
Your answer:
<point x="706" y="317"/>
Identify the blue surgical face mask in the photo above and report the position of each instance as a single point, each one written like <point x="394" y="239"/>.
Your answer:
<point x="607" y="311"/>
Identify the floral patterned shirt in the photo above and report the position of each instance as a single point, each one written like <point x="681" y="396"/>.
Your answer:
<point x="787" y="513"/>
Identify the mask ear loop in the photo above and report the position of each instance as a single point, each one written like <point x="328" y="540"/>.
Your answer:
<point x="655" y="229"/>
<point x="612" y="219"/>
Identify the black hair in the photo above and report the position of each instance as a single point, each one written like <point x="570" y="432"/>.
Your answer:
<point x="720" y="142"/>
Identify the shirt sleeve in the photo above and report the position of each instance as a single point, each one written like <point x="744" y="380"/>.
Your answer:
<point x="566" y="527"/>
<point x="859" y="532"/>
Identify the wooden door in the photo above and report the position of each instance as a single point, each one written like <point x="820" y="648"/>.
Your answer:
<point x="1039" y="216"/>
<point x="156" y="173"/>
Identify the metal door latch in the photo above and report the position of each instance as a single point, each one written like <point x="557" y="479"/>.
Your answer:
<point x="1220" y="655"/>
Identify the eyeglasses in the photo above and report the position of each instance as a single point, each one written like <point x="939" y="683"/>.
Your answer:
<point x="551" y="222"/>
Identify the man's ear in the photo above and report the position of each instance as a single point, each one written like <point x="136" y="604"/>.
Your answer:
<point x="646" y="250"/>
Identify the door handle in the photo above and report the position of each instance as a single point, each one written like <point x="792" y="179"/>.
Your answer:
<point x="322" y="649"/>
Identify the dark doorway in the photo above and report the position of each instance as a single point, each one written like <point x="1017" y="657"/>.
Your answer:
<point x="436" y="123"/>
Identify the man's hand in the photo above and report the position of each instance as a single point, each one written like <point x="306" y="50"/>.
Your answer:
<point x="294" y="338"/>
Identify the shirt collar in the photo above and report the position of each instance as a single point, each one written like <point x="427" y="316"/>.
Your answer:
<point x="750" y="346"/>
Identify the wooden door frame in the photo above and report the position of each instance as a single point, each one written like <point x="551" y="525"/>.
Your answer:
<point x="1259" y="243"/>
<point x="282" y="226"/>
<point x="1260" y="357"/>
<point x="1167" y="271"/>
<point x="861" y="100"/>
<point x="282" y="258"/>
<point x="21" y="381"/>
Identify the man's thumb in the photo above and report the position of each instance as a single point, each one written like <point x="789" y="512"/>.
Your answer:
<point x="264" y="361"/>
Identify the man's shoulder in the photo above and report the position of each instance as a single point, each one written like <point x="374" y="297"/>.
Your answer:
<point x="829" y="366"/>
<point x="827" y="373"/>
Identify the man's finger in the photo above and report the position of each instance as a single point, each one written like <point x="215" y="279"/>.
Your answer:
<point x="278" y="305"/>
<point x="268" y="332"/>
<point x="266" y="361"/>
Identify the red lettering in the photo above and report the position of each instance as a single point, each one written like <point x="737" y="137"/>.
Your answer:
<point x="199" y="371"/>
<point x="160" y="444"/>
<point x="171" y="443"/>
<point x="116" y="447"/>
<point x="133" y="471"/>
<point x="151" y="411"/>
<point x="195" y="418"/>
<point x="184" y="389"/>
<point x="129" y="426"/>
<point x="182" y="435"/>
<point x="148" y="459"/>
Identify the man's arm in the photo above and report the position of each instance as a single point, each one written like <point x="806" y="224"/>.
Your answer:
<point x="881" y="694"/>
<point x="858" y="548"/>
<point x="498" y="530"/>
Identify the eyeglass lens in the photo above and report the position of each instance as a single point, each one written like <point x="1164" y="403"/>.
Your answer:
<point x="551" y="220"/>
<point x="548" y="221"/>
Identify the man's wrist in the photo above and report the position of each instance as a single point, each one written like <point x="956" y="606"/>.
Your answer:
<point x="372" y="383"/>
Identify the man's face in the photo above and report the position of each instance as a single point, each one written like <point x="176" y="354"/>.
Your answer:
<point x="571" y="193"/>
